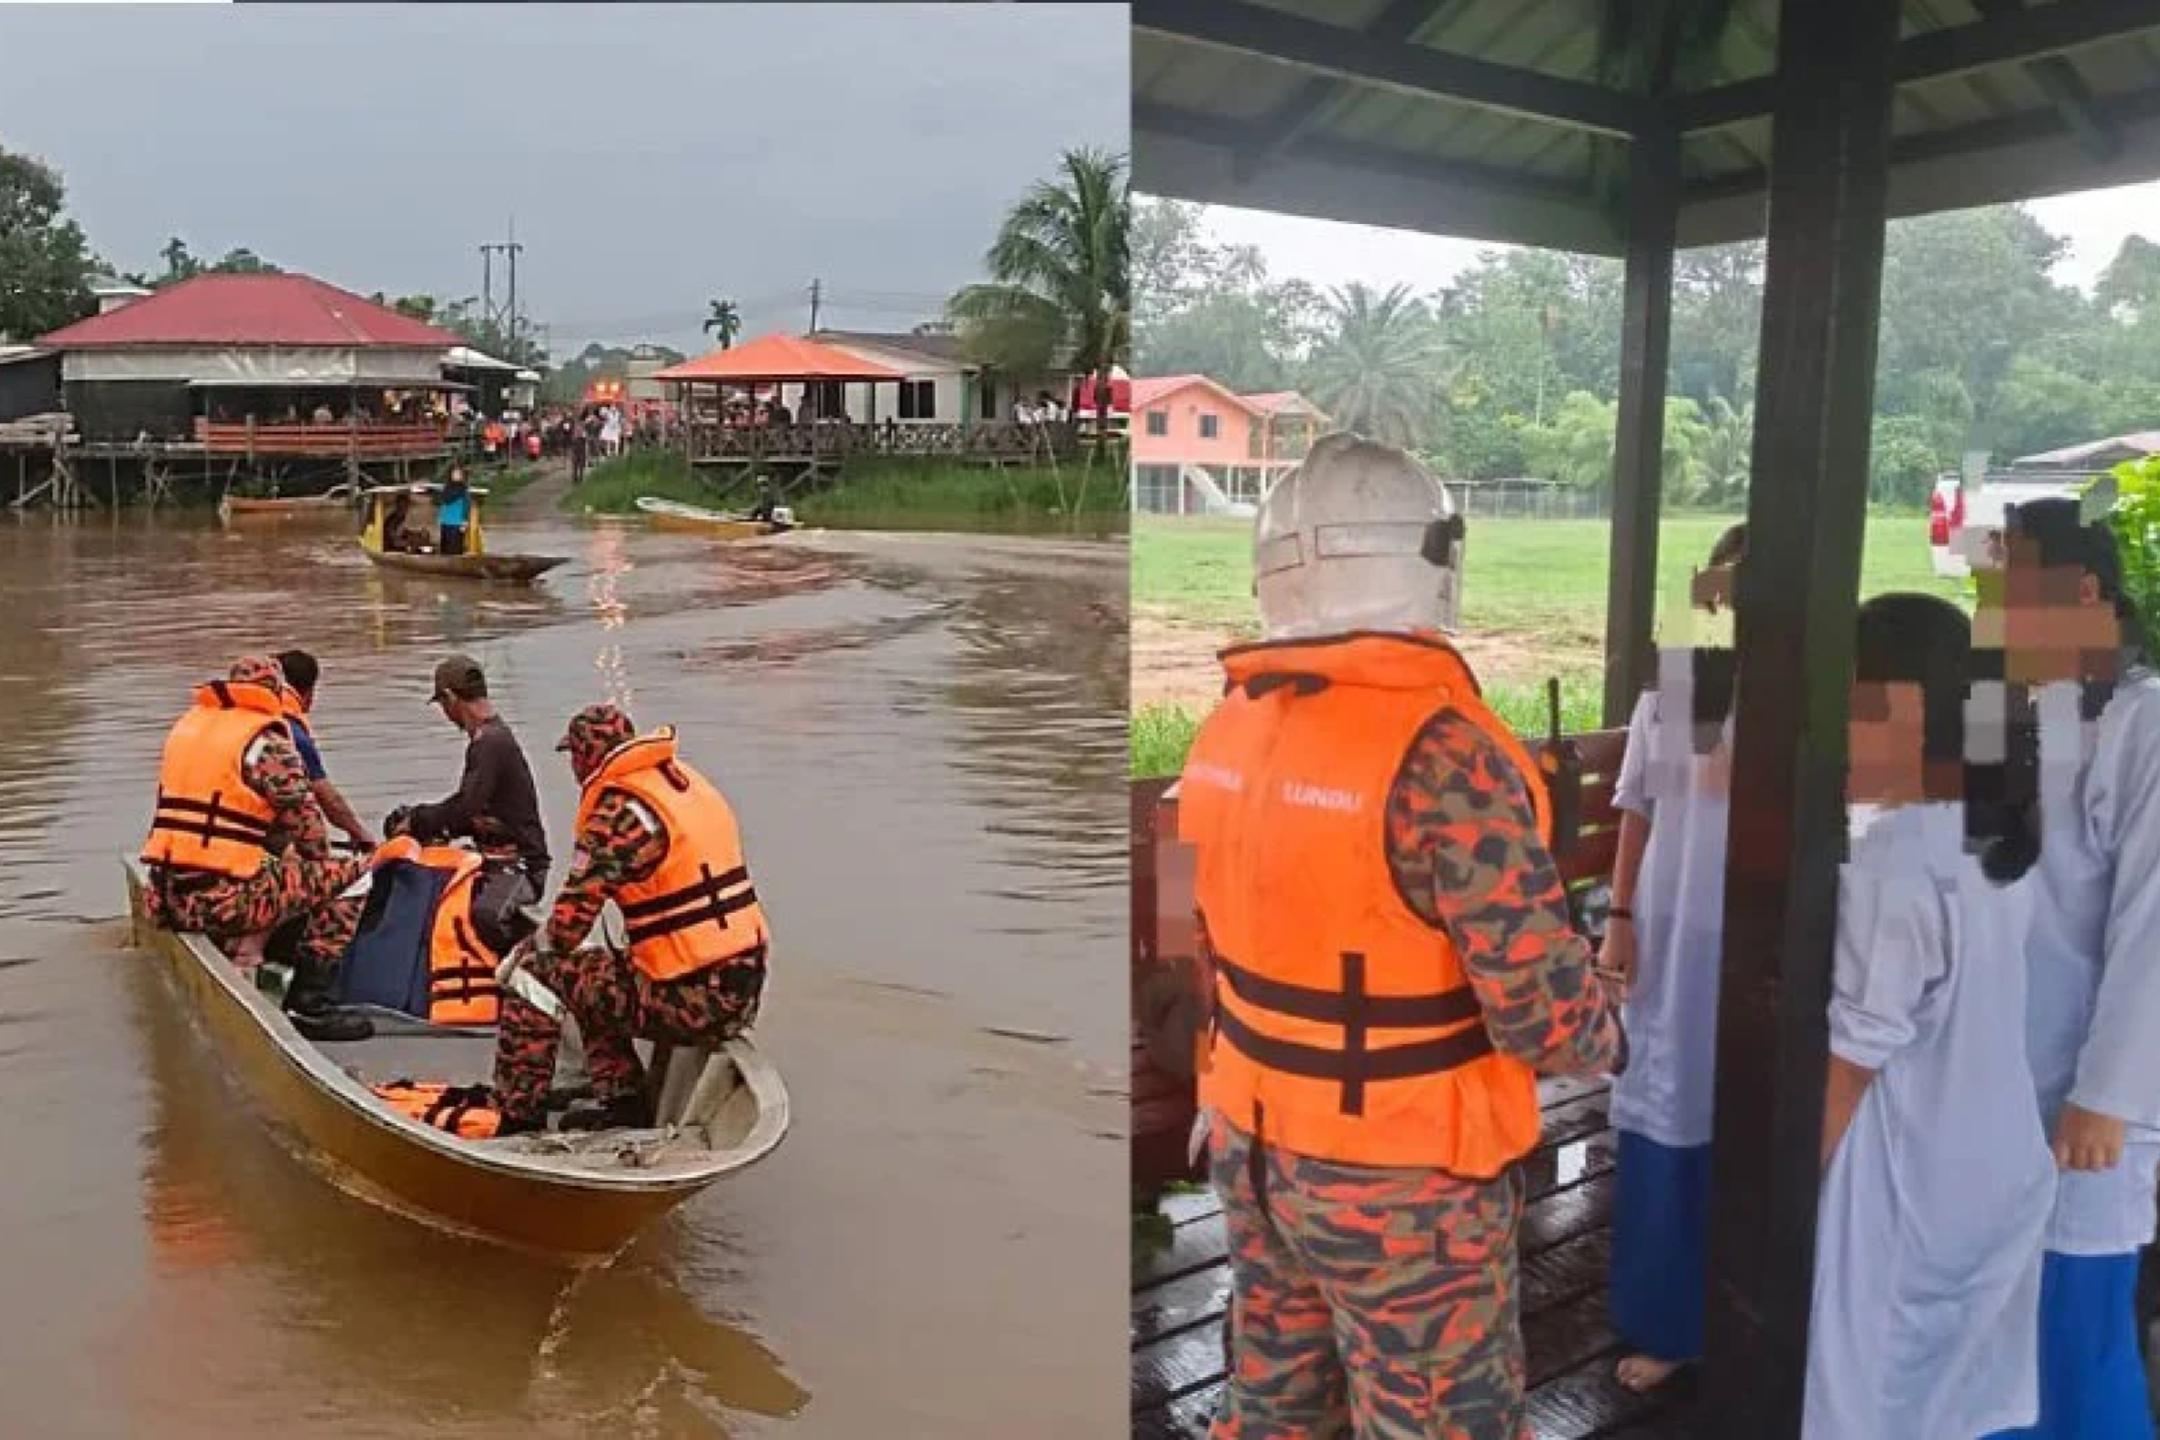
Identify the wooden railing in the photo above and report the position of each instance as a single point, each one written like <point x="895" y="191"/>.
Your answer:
<point x="363" y="441"/>
<point x="835" y="440"/>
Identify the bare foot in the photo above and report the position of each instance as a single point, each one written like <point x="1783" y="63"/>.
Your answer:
<point x="1645" y="1372"/>
<point x="247" y="950"/>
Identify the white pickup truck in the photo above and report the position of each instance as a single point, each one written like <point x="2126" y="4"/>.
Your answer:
<point x="1965" y="520"/>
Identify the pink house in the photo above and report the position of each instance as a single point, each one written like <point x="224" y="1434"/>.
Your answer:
<point x="1198" y="446"/>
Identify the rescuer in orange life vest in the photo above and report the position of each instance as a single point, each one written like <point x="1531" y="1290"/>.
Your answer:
<point x="1393" y="966"/>
<point x="238" y="845"/>
<point x="658" y="839"/>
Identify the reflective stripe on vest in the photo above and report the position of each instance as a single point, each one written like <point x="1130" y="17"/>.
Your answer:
<point x="1343" y="1018"/>
<point x="461" y="970"/>
<point x="207" y="818"/>
<point x="697" y="908"/>
<point x="1359" y="1013"/>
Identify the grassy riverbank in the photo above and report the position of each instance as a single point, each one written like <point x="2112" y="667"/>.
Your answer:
<point x="915" y="494"/>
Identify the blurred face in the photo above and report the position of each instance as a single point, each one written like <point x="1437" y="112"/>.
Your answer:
<point x="2050" y="621"/>
<point x="1885" y="740"/>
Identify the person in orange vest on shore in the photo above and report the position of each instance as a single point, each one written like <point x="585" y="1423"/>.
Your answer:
<point x="1392" y="967"/>
<point x="658" y="839"/>
<point x="238" y="844"/>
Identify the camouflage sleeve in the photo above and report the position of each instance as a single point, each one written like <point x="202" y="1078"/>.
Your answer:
<point x="614" y="845"/>
<point x="275" y="771"/>
<point x="1466" y="855"/>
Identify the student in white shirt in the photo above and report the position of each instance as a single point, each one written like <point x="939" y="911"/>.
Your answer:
<point x="1665" y="937"/>
<point x="2076" y="644"/>
<point x="1937" y="1179"/>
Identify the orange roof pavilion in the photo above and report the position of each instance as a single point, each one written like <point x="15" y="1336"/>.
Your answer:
<point x="777" y="357"/>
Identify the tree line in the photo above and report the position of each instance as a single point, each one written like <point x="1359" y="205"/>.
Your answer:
<point x="1513" y="368"/>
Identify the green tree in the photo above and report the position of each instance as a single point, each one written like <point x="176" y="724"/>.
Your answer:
<point x="1964" y="293"/>
<point x="1904" y="457"/>
<point x="45" y="261"/>
<point x="1061" y="281"/>
<point x="724" y="320"/>
<point x="1687" y="436"/>
<point x="1574" y="446"/>
<point x="1377" y="366"/>
<point x="2130" y="286"/>
<point x="1727" y="452"/>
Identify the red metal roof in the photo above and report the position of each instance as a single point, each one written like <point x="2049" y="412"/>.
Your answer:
<point x="252" y="310"/>
<point x="779" y="357"/>
<point x="1150" y="388"/>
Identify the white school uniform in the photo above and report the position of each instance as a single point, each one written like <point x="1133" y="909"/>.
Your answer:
<point x="1925" y="1324"/>
<point x="1667" y="1091"/>
<point x="2095" y="952"/>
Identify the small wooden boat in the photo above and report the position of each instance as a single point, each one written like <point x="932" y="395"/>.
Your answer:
<point x="385" y="514"/>
<point x="582" y="1195"/>
<point x="331" y="504"/>
<point x="719" y="524"/>
<point x="514" y="569"/>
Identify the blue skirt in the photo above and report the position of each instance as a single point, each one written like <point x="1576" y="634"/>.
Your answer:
<point x="2092" y="1378"/>
<point x="1660" y="1236"/>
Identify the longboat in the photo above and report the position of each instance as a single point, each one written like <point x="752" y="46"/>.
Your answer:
<point x="476" y="563"/>
<point x="577" y="1195"/>
<point x="718" y="524"/>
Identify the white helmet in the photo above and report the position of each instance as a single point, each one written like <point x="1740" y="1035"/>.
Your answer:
<point x="1359" y="537"/>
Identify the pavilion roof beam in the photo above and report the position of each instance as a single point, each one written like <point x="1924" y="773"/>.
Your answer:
<point x="1188" y="155"/>
<point x="2059" y="80"/>
<point x="1997" y="39"/>
<point x="1416" y="70"/>
<point x="1321" y="96"/>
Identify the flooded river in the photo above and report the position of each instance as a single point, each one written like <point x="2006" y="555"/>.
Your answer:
<point x="925" y="738"/>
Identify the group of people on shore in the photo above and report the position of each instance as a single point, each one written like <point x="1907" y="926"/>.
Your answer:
<point x="1393" y="962"/>
<point x="239" y="849"/>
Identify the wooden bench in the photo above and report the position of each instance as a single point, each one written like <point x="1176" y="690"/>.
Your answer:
<point x="1164" y="945"/>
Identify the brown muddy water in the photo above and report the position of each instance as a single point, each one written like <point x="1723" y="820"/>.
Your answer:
<point x="925" y="737"/>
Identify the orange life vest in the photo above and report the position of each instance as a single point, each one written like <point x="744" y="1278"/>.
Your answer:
<point x="208" y="818"/>
<point x="1344" y="1026"/>
<point x="461" y="968"/>
<point x="697" y="909"/>
<point x="466" y="1111"/>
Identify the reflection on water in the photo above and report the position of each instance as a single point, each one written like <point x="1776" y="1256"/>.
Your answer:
<point x="925" y="739"/>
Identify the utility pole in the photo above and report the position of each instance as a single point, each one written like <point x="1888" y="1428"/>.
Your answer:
<point x="506" y="319"/>
<point x="817" y="293"/>
<point x="513" y="249"/>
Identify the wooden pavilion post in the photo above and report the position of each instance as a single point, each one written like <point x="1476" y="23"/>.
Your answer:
<point x="1798" y="593"/>
<point x="1653" y="202"/>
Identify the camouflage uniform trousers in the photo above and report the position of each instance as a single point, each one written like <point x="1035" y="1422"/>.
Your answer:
<point x="614" y="1003"/>
<point x="288" y="886"/>
<point x="1368" y="1302"/>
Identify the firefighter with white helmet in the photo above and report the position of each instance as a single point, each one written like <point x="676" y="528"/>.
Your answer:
<point x="1392" y="967"/>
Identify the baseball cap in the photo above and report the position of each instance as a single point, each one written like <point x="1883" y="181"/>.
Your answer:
<point x="458" y="676"/>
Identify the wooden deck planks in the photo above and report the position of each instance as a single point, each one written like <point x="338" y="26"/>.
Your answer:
<point x="1181" y="1294"/>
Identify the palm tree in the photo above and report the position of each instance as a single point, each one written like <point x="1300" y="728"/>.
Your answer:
<point x="1379" y="364"/>
<point x="1727" y="450"/>
<point x="724" y="320"/>
<point x="1060" y="286"/>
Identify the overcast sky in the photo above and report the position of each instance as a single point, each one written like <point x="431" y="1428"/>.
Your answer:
<point x="654" y="156"/>
<point x="1329" y="253"/>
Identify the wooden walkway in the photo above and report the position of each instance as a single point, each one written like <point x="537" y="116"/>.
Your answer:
<point x="1181" y="1293"/>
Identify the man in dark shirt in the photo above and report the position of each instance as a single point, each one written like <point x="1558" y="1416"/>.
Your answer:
<point x="495" y="804"/>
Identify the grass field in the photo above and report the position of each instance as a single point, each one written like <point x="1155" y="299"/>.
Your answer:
<point x="880" y="494"/>
<point x="1533" y="606"/>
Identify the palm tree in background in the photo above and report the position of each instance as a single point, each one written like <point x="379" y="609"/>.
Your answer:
<point x="1377" y="368"/>
<point x="1061" y="282"/>
<point x="724" y="320"/>
<point x="1727" y="451"/>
